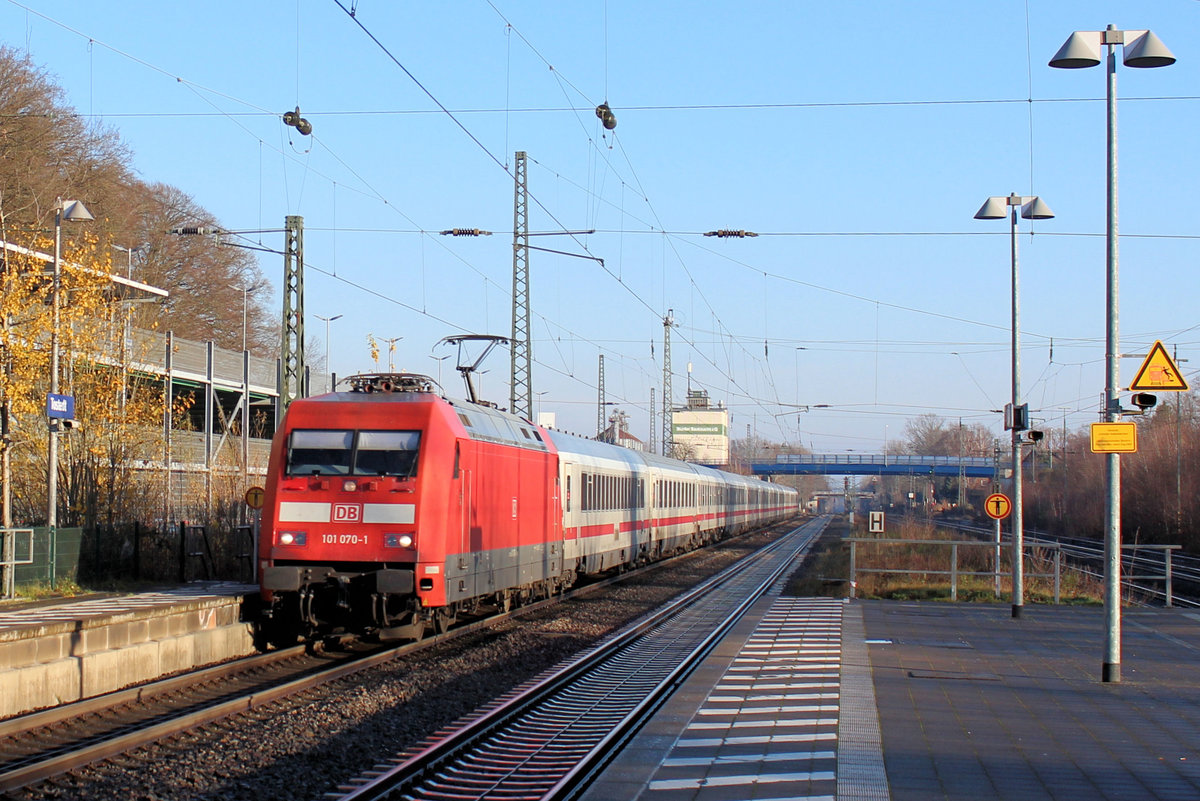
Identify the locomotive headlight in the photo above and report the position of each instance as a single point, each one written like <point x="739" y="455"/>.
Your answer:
<point x="292" y="538"/>
<point x="349" y="485"/>
<point x="398" y="540"/>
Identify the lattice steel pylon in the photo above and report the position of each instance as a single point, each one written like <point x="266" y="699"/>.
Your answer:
<point x="600" y="400"/>
<point x="520" y="399"/>
<point x="291" y="385"/>
<point x="653" y="427"/>
<point x="668" y="438"/>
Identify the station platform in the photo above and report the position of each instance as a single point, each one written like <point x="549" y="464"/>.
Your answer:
<point x="57" y="652"/>
<point x="825" y="699"/>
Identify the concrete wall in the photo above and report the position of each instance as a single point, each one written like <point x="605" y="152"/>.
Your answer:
<point x="58" y="663"/>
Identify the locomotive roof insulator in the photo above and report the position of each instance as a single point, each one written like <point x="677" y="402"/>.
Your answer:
<point x="391" y="382"/>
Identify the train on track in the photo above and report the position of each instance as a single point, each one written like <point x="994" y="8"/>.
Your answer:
<point x="392" y="509"/>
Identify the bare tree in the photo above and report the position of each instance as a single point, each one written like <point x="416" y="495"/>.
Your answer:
<point x="48" y="152"/>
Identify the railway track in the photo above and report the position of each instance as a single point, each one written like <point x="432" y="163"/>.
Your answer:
<point x="59" y="740"/>
<point x="545" y="740"/>
<point x="44" y="744"/>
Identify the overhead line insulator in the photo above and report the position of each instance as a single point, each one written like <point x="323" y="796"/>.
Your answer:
<point x="606" y="116"/>
<point x="465" y="232"/>
<point x="730" y="232"/>
<point x="294" y="119"/>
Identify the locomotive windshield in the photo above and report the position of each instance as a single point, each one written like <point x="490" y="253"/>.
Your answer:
<point x="320" y="453"/>
<point x="358" y="453"/>
<point x="386" y="453"/>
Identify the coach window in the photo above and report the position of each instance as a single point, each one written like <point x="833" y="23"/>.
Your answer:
<point x="319" y="453"/>
<point x="387" y="453"/>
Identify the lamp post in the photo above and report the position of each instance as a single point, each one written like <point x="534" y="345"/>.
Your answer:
<point x="1031" y="208"/>
<point x="327" y="321"/>
<point x="128" y="257"/>
<point x="1140" y="49"/>
<point x="391" y="351"/>
<point x="72" y="211"/>
<point x="246" y="290"/>
<point x="439" y="360"/>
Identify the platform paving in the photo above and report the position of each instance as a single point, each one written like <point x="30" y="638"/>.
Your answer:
<point x="976" y="705"/>
<point x="935" y="701"/>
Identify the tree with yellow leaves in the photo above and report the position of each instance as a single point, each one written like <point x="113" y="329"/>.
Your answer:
<point x="119" y="408"/>
<point x="47" y="151"/>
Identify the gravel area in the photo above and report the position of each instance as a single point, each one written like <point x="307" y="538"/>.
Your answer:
<point x="304" y="747"/>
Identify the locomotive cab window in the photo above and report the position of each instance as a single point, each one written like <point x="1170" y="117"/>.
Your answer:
<point x="386" y="453"/>
<point x="362" y="453"/>
<point x="319" y="453"/>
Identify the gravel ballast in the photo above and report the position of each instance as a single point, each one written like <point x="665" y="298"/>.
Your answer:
<point x="304" y="747"/>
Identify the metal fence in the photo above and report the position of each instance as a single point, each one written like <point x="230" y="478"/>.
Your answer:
<point x="953" y="568"/>
<point x="123" y="554"/>
<point x="45" y="557"/>
<point x="13" y="554"/>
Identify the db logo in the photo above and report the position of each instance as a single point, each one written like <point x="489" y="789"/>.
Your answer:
<point x="347" y="513"/>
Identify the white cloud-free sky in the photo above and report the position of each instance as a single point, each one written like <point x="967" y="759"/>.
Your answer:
<point x="858" y="139"/>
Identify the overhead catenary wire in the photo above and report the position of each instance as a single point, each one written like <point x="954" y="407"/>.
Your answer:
<point x="727" y="339"/>
<point x="636" y="108"/>
<point x="258" y="110"/>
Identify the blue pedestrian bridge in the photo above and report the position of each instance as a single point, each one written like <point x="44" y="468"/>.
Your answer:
<point x="857" y="464"/>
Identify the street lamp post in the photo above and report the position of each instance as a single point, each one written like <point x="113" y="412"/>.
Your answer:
<point x="391" y="351"/>
<point x="129" y="255"/>
<point x="439" y="360"/>
<point x="1140" y="49"/>
<point x="327" y="321"/>
<point x="1031" y="208"/>
<point x="72" y="211"/>
<point x="246" y="290"/>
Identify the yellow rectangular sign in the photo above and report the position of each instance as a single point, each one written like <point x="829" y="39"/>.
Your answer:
<point x="1114" y="438"/>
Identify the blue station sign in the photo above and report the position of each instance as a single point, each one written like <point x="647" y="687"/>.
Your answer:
<point x="61" y="407"/>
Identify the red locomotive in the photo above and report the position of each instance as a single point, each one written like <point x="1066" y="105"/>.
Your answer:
<point x="392" y="509"/>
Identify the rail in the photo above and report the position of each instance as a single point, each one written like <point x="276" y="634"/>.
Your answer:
<point x="954" y="572"/>
<point x="547" y="740"/>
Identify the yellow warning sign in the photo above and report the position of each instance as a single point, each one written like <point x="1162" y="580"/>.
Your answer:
<point x="1114" y="438"/>
<point x="255" y="497"/>
<point x="1158" y="372"/>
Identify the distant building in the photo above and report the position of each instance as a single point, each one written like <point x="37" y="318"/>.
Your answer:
<point x="617" y="433"/>
<point x="701" y="432"/>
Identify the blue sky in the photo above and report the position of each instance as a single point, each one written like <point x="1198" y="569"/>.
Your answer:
<point x="857" y="138"/>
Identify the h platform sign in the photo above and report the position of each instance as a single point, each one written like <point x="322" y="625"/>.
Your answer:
<point x="60" y="407"/>
<point x="875" y="523"/>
